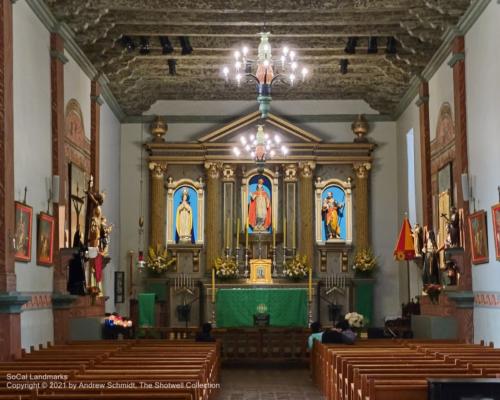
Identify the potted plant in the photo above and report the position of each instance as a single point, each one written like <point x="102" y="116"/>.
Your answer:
<point x="158" y="261"/>
<point x="356" y="321"/>
<point x="226" y="268"/>
<point x="364" y="263"/>
<point x="297" y="268"/>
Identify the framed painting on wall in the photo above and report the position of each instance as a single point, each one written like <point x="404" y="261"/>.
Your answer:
<point x="495" y="211"/>
<point x="45" y="240"/>
<point x="478" y="237"/>
<point x="22" y="236"/>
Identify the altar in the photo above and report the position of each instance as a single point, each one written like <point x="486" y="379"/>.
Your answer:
<point x="236" y="307"/>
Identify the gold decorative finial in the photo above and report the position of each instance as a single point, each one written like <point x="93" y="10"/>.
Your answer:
<point x="360" y="128"/>
<point x="158" y="129"/>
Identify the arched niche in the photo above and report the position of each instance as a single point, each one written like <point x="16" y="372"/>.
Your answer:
<point x="196" y="192"/>
<point x="247" y="183"/>
<point x="326" y="193"/>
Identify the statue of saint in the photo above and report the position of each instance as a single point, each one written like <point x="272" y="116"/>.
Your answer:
<point x="431" y="272"/>
<point x="332" y="212"/>
<point x="259" y="212"/>
<point x="452" y="228"/>
<point x="184" y="218"/>
<point x="418" y="240"/>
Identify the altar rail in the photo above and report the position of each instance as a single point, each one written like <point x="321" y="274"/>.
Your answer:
<point x="274" y="345"/>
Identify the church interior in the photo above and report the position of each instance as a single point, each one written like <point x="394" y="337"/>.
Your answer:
<point x="244" y="200"/>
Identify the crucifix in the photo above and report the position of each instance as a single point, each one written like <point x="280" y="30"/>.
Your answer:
<point x="78" y="203"/>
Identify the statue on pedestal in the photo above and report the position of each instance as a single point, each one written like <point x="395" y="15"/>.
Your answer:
<point x="332" y="212"/>
<point x="452" y="228"/>
<point x="432" y="272"/>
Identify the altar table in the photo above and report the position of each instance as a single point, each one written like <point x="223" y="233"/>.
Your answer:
<point x="286" y="307"/>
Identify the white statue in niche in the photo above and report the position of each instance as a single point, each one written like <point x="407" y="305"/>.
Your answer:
<point x="184" y="218"/>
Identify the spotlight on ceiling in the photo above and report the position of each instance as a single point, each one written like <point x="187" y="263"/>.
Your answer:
<point x="166" y="46"/>
<point x="391" y="47"/>
<point x="372" y="45"/>
<point x="350" y="47"/>
<point x="172" y="64"/>
<point x="144" y="45"/>
<point x="186" y="46"/>
<point x="344" y="62"/>
<point x="128" y="43"/>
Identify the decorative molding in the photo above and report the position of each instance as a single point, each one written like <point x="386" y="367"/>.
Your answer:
<point x="38" y="301"/>
<point x="157" y="169"/>
<point x="456" y="58"/>
<point x="422" y="100"/>
<point x="463" y="299"/>
<point x="487" y="299"/>
<point x="59" y="55"/>
<point x="224" y="119"/>
<point x="362" y="169"/>
<point x="98" y="99"/>
<point x="62" y="301"/>
<point x="463" y="26"/>
<point x="44" y="14"/>
<point x="12" y="302"/>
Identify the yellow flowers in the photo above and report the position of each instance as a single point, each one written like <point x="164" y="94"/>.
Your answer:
<point x="225" y="268"/>
<point x="364" y="261"/>
<point x="296" y="268"/>
<point x="158" y="260"/>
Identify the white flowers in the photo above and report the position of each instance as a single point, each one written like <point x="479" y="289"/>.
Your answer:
<point x="355" y="320"/>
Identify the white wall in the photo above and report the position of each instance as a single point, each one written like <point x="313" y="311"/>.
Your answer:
<point x="408" y="120"/>
<point x="77" y="86"/>
<point x="32" y="152"/>
<point x="109" y="166"/>
<point x="440" y="91"/>
<point x="483" y="119"/>
<point x="384" y="204"/>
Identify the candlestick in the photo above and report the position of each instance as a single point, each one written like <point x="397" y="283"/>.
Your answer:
<point x="213" y="285"/>
<point x="246" y="235"/>
<point x="274" y="236"/>
<point x="238" y="233"/>
<point x="284" y="234"/>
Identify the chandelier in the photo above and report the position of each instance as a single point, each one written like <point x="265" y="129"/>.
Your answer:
<point x="260" y="147"/>
<point x="264" y="70"/>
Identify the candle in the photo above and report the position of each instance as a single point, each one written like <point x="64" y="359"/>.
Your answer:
<point x="213" y="285"/>
<point x="246" y="236"/>
<point x="293" y="235"/>
<point x="238" y="233"/>
<point x="310" y="285"/>
<point x="284" y="233"/>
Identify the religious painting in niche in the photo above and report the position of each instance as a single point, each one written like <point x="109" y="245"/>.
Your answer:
<point x="478" y="237"/>
<point x="332" y="213"/>
<point x="77" y="185"/>
<point x="185" y="215"/>
<point x="259" y="204"/>
<point x="45" y="240"/>
<point x="495" y="210"/>
<point x="22" y="235"/>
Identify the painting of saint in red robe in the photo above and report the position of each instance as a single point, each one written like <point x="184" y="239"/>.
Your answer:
<point x="259" y="209"/>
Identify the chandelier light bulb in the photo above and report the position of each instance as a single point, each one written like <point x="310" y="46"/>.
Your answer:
<point x="304" y="72"/>
<point x="292" y="55"/>
<point x="236" y="151"/>
<point x="237" y="55"/>
<point x="243" y="140"/>
<point x="292" y="79"/>
<point x="294" y="66"/>
<point x="245" y="51"/>
<point x="285" y="51"/>
<point x="283" y="59"/>
<point x="238" y="79"/>
<point x="266" y="63"/>
<point x="237" y="65"/>
<point x="266" y="136"/>
<point x="247" y="147"/>
<point x="252" y="154"/>
<point x="284" y="150"/>
<point x="273" y="153"/>
<point x="225" y="71"/>
<point x="277" y="139"/>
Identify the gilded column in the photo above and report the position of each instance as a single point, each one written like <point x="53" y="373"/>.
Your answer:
<point x="213" y="232"/>
<point x="306" y="194"/>
<point x="361" y="200"/>
<point x="228" y="179"/>
<point x="157" y="203"/>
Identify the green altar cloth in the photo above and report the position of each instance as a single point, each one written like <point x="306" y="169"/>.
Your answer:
<point x="286" y="307"/>
<point x="147" y="310"/>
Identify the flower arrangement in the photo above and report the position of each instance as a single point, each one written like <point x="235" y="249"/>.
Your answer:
<point x="364" y="261"/>
<point x="433" y="290"/>
<point x="226" y="268"/>
<point x="355" y="320"/>
<point x="296" y="268"/>
<point x="159" y="261"/>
